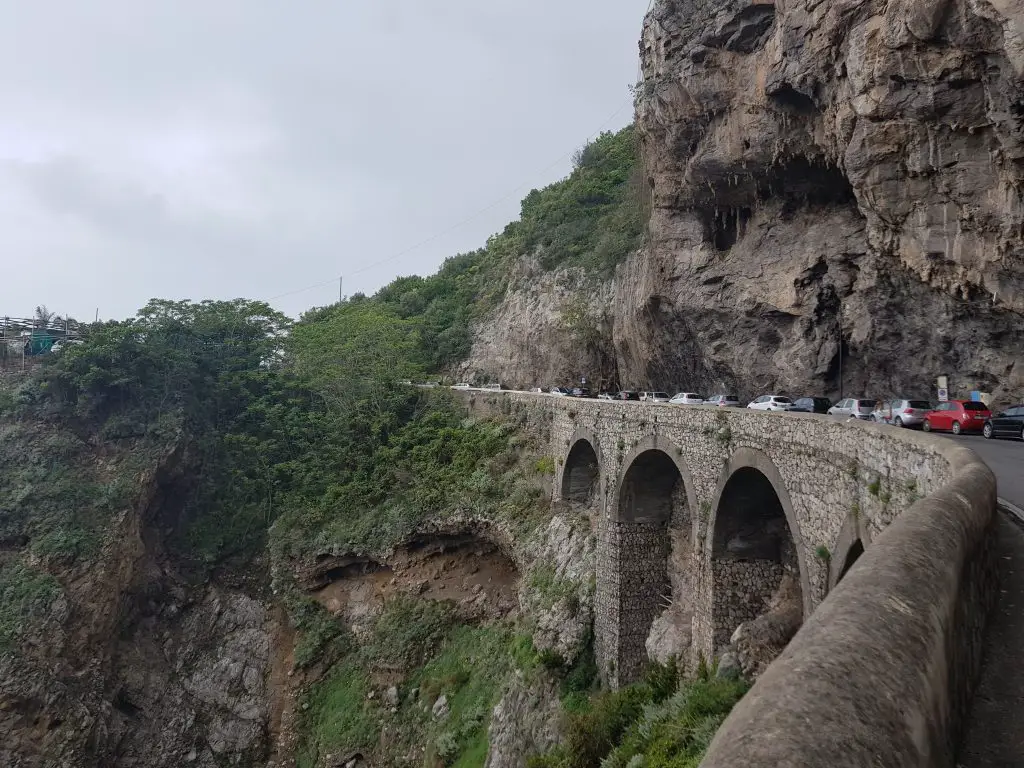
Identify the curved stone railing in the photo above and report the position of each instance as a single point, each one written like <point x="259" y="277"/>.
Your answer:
<point x="882" y="673"/>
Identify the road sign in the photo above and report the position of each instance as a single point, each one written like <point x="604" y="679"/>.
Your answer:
<point x="943" y="395"/>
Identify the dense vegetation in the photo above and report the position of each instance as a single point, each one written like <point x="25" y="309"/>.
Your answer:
<point x="657" y="723"/>
<point x="591" y="220"/>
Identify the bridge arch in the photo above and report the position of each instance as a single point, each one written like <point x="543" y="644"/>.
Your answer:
<point x="650" y="521"/>
<point x="758" y="565"/>
<point x="580" y="478"/>
<point x="853" y="539"/>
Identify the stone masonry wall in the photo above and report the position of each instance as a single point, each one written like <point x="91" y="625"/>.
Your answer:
<point x="633" y="588"/>
<point x="743" y="589"/>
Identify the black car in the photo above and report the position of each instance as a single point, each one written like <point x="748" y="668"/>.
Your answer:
<point x="811" y="405"/>
<point x="628" y="395"/>
<point x="1007" y="423"/>
<point x="580" y="392"/>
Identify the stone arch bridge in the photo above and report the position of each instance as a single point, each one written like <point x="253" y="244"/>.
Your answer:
<point x="711" y="518"/>
<point x="876" y="546"/>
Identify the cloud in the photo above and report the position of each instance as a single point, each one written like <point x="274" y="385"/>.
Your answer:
<point x="196" y="149"/>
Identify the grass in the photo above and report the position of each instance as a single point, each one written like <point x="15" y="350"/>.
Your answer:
<point x="549" y="587"/>
<point x="25" y="593"/>
<point x="434" y="656"/>
<point x="340" y="714"/>
<point x="656" y="723"/>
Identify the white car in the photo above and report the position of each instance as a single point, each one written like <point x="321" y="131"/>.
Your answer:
<point x="559" y="391"/>
<point x="687" y="398"/>
<point x="61" y="344"/>
<point x="771" y="403"/>
<point x="655" y="397"/>
<point x="853" y="408"/>
<point x="461" y="385"/>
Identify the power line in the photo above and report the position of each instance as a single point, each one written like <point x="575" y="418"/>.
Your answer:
<point x="462" y="223"/>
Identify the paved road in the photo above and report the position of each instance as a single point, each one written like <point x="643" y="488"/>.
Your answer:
<point x="1006" y="458"/>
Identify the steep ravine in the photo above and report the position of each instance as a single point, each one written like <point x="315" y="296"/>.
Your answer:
<point x="822" y="175"/>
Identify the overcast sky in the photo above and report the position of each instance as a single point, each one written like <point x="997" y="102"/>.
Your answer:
<point x="224" y="148"/>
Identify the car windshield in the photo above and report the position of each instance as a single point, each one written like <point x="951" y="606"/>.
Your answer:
<point x="782" y="400"/>
<point x="922" y="405"/>
<point x="972" y="406"/>
<point x="660" y="394"/>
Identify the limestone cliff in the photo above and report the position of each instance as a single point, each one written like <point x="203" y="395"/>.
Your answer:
<point x="823" y="174"/>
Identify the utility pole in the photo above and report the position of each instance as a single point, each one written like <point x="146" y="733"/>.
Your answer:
<point x="840" y="351"/>
<point x="340" y="297"/>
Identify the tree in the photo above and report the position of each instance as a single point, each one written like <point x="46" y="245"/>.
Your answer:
<point x="354" y="355"/>
<point x="44" y="316"/>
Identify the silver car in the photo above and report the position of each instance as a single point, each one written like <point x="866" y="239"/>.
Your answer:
<point x="853" y="408"/>
<point x="903" y="413"/>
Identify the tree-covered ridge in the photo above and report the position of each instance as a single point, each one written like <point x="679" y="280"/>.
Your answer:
<point x="591" y="220"/>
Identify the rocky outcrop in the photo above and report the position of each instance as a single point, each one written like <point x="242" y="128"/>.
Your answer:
<point x="134" y="666"/>
<point x="560" y="597"/>
<point x="826" y="177"/>
<point x="551" y="329"/>
<point x="524" y="723"/>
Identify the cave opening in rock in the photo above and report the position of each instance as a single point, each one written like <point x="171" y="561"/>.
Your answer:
<point x="652" y="501"/>
<point x="727" y="225"/>
<point x="581" y="474"/>
<point x="754" y="562"/>
<point x="790" y="99"/>
<point x="800" y="181"/>
<point x="856" y="550"/>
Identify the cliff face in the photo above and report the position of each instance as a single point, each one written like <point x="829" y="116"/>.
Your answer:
<point x="825" y="174"/>
<point x="128" y="663"/>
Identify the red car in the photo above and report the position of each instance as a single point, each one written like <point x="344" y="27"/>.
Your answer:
<point x="957" y="416"/>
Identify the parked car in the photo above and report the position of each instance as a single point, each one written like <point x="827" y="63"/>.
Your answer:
<point x="559" y="391"/>
<point x="655" y="397"/>
<point x="627" y="394"/>
<point x="687" y="398"/>
<point x="771" y="403"/>
<point x="607" y="396"/>
<point x="580" y="392"/>
<point x="461" y="385"/>
<point x="1008" y="423"/>
<point x="957" y="416"/>
<point x="495" y="386"/>
<point x="854" y="408"/>
<point x="902" y="413"/>
<point x="61" y="344"/>
<point x="723" y="401"/>
<point x="811" y="405"/>
<point x="537" y="390"/>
